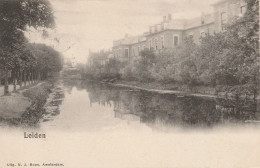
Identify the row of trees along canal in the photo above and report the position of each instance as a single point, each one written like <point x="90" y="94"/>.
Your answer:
<point x="25" y="61"/>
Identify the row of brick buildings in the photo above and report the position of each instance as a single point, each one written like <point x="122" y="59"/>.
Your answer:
<point x="170" y="32"/>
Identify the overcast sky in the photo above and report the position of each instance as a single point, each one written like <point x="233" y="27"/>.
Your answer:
<point x="94" y="24"/>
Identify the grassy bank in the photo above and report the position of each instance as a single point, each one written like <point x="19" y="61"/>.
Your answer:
<point x="37" y="95"/>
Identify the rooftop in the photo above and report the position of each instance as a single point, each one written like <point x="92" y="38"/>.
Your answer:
<point x="183" y="24"/>
<point x="128" y="40"/>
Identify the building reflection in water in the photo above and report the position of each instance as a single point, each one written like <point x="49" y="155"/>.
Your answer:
<point x="169" y="110"/>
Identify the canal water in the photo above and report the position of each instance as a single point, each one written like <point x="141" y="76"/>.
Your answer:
<point x="92" y="106"/>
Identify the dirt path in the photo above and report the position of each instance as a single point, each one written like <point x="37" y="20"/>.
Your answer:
<point x="14" y="105"/>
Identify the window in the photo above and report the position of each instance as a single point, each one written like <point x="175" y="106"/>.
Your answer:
<point x="133" y="51"/>
<point x="223" y="20"/>
<point x="243" y="9"/>
<point x="176" y="41"/>
<point x="162" y="41"/>
<point x="152" y="29"/>
<point x="126" y="52"/>
<point x="165" y="25"/>
<point x="150" y="44"/>
<point x="162" y="26"/>
<point x="158" y="27"/>
<point x="156" y="44"/>
<point x="202" y="34"/>
<point x="208" y="31"/>
<point x="144" y="47"/>
<point x="190" y="35"/>
<point x="155" y="27"/>
<point x="138" y="50"/>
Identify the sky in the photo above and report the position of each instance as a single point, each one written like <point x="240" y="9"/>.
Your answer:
<point x="83" y="25"/>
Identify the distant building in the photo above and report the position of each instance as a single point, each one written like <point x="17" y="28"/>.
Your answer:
<point x="99" y="58"/>
<point x="129" y="48"/>
<point x="122" y="47"/>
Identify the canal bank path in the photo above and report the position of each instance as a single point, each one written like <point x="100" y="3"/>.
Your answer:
<point x="176" y="92"/>
<point x="14" y="104"/>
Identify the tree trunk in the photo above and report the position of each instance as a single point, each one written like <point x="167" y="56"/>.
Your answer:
<point x="28" y="77"/>
<point x="20" y="79"/>
<point x="6" y="87"/>
<point x="14" y="80"/>
<point x="0" y="78"/>
<point x="39" y="76"/>
<point x="24" y="78"/>
<point x="36" y="76"/>
<point x="32" y="77"/>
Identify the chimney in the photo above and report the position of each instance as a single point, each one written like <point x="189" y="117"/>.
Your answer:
<point x="164" y="18"/>
<point x="169" y="17"/>
<point x="150" y="29"/>
<point x="202" y="18"/>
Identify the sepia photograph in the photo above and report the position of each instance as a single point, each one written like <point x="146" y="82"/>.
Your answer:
<point x="129" y="84"/>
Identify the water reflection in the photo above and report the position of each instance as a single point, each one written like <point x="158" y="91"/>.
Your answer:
<point x="167" y="110"/>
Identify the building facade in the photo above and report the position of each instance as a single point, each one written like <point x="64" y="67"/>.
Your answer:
<point x="170" y="33"/>
<point x="226" y="10"/>
<point x="129" y="48"/>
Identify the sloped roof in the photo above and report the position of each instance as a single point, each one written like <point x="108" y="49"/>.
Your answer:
<point x="184" y="24"/>
<point x="129" y="40"/>
<point x="196" y="22"/>
<point x="176" y="24"/>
